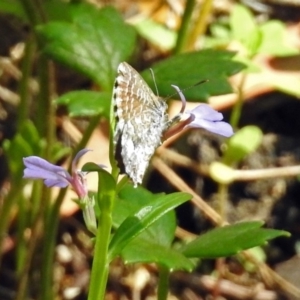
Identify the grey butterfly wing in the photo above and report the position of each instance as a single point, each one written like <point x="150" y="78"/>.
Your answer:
<point x="141" y="121"/>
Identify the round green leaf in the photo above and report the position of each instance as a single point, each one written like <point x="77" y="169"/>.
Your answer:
<point x="242" y="143"/>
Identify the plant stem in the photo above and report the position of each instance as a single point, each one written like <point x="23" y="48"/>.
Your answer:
<point x="237" y="109"/>
<point x="163" y="283"/>
<point x="24" y="91"/>
<point x="51" y="225"/>
<point x="223" y="197"/>
<point x="200" y="25"/>
<point x="100" y="266"/>
<point x="52" y="220"/>
<point x="37" y="231"/>
<point x="5" y="213"/>
<point x="184" y="28"/>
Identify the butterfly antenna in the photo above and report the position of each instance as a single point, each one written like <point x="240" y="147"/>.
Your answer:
<point x="179" y="92"/>
<point x="153" y="78"/>
<point x="187" y="88"/>
<point x="181" y="95"/>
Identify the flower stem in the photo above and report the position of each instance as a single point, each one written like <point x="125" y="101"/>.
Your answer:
<point x="163" y="284"/>
<point x="100" y="266"/>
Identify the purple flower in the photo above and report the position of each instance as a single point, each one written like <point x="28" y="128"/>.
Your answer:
<point x="39" y="168"/>
<point x="202" y="116"/>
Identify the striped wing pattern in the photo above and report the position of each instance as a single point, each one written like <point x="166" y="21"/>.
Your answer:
<point x="141" y="120"/>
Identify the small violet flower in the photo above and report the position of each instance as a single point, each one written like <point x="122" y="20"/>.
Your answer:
<point x="202" y="116"/>
<point x="39" y="168"/>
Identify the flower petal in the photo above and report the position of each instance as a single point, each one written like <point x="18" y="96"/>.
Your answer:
<point x="219" y="127"/>
<point x="38" y="168"/>
<point x="77" y="157"/>
<point x="204" y="111"/>
<point x="209" y="119"/>
<point x="58" y="182"/>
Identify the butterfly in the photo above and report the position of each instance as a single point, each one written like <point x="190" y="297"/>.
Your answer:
<point x="142" y="120"/>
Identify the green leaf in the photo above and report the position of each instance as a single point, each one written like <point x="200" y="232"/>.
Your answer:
<point x="58" y="10"/>
<point x="253" y="42"/>
<point x="86" y="103"/>
<point x="13" y="7"/>
<point x="131" y="199"/>
<point x="156" y="33"/>
<point x="244" y="29"/>
<point x="106" y="177"/>
<point x="242" y="143"/>
<point x="144" y="251"/>
<point x="242" y="23"/>
<point x="25" y="143"/>
<point x="107" y="186"/>
<point x="251" y="66"/>
<point x="187" y="69"/>
<point x="221" y="173"/>
<point x="94" y="43"/>
<point x="142" y="219"/>
<point x="219" y="30"/>
<point x="273" y="39"/>
<point x="230" y="240"/>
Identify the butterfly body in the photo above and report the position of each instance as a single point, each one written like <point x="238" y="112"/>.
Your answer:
<point x="141" y="121"/>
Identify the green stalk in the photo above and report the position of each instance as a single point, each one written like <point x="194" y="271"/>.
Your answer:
<point x="200" y="25"/>
<point x="45" y="122"/>
<point x="51" y="225"/>
<point x="184" y="28"/>
<point x="223" y="199"/>
<point x="163" y="283"/>
<point x="5" y="213"/>
<point x="31" y="12"/>
<point x="100" y="268"/>
<point x="23" y="108"/>
<point x="21" y="247"/>
<point x="237" y="108"/>
<point x="37" y="230"/>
